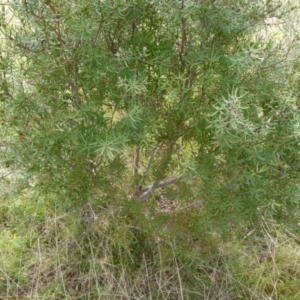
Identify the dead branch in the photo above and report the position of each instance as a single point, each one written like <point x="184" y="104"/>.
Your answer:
<point x="159" y="184"/>
<point x="145" y="196"/>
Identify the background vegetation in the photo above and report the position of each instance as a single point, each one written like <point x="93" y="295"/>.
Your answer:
<point x="149" y="149"/>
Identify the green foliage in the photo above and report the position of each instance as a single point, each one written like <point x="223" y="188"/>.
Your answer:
<point x="191" y="85"/>
<point x="182" y="117"/>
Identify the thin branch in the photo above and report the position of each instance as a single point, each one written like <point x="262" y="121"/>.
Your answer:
<point x="136" y="162"/>
<point x="153" y="154"/>
<point x="178" y="273"/>
<point x="74" y="86"/>
<point x="5" y="85"/>
<point x="50" y="26"/>
<point x="183" y="38"/>
<point x="191" y="205"/>
<point x="297" y="239"/>
<point x="56" y="15"/>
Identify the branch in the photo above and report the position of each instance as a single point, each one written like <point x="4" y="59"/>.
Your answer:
<point x="160" y="184"/>
<point x="145" y="196"/>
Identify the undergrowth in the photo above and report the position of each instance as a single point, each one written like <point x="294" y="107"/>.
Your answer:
<point x="130" y="251"/>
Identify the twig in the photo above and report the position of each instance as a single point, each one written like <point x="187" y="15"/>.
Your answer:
<point x="178" y="275"/>
<point x="50" y="26"/>
<point x="249" y="233"/>
<point x="193" y="204"/>
<point x="182" y="209"/>
<point x="288" y="233"/>
<point x="56" y="15"/>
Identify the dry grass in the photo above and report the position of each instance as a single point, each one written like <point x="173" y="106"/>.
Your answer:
<point x="106" y="253"/>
